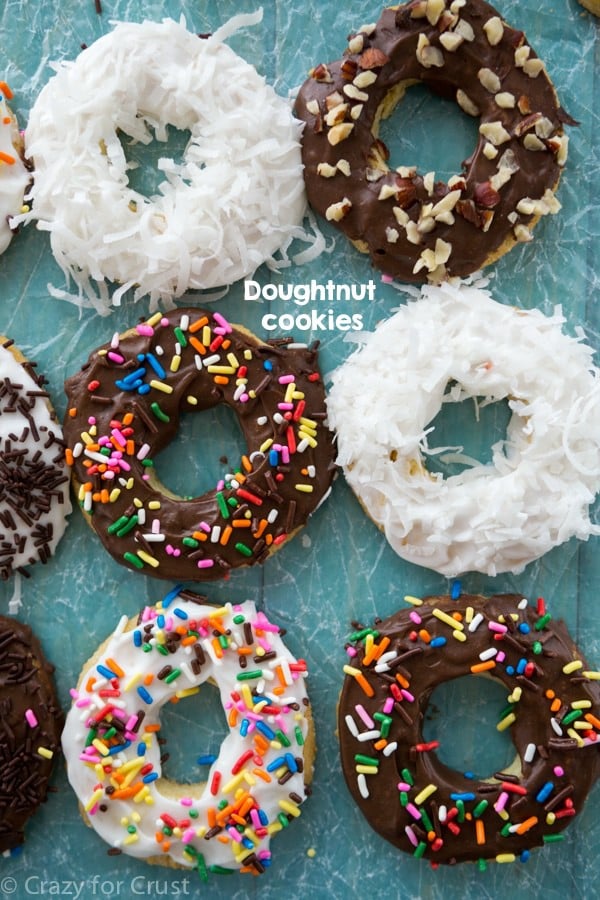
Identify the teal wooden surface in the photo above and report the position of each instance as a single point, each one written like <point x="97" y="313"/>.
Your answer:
<point x="340" y="567"/>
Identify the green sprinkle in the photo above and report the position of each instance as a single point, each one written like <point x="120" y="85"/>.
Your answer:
<point x="160" y="415"/>
<point x="222" y="804"/>
<point x="403" y="798"/>
<point x="202" y="870"/>
<point x="407" y="777"/>
<point x="146" y="648"/>
<point x="243" y="549"/>
<point x="220" y="870"/>
<point x="366" y="760"/>
<point x="193" y="813"/>
<point x="112" y="529"/>
<point x="233" y="502"/>
<point x="299" y="736"/>
<point x="110" y="733"/>
<point x="359" y="635"/>
<point x="91" y="737"/>
<point x="482" y="865"/>
<point x="224" y="641"/>
<point x="249" y="676"/>
<point x="571" y="717"/>
<point x="172" y="676"/>
<point x="425" y="819"/>
<point x="190" y="542"/>
<point x="162" y="649"/>
<point x="480" y="808"/>
<point x="239" y="619"/>
<point x="537" y="648"/>
<point x="222" y="504"/>
<point x="191" y="851"/>
<point x="420" y="850"/>
<point x="283" y="819"/>
<point x="542" y="622"/>
<point x="131" y="829"/>
<point x="148" y="463"/>
<point x="133" y="560"/>
<point x="553" y="838"/>
<point x="507" y="710"/>
<point x="505" y="830"/>
<point x="460" y="805"/>
<point x="181" y="338"/>
<point x="282" y="738"/>
<point x="128" y="526"/>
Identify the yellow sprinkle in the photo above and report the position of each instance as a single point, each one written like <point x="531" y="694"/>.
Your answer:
<point x="133" y="681"/>
<point x="311" y="852"/>
<point x="593" y="676"/>
<point x="133" y="765"/>
<point x="231" y="357"/>
<point x="506" y="722"/>
<point x="350" y="670"/>
<point x="206" y="335"/>
<point x="249" y="778"/>
<point x="145" y="557"/>
<point x="161" y="386"/>
<point x="149" y="800"/>
<point x="459" y="635"/>
<point x="154" y="320"/>
<point x="274" y="827"/>
<point x="308" y="438"/>
<point x="572" y="666"/>
<point x="505" y="858"/>
<point x="175" y="363"/>
<point x="193" y="401"/>
<point x="248" y="354"/>
<point x="424" y="794"/>
<point x="581" y="704"/>
<point x="154" y="504"/>
<point x="414" y="601"/>
<point x="448" y="620"/>
<point x="141" y="794"/>
<point x="45" y="752"/>
<point x="516" y="695"/>
<point x="289" y="393"/>
<point x="265" y="445"/>
<point x="469" y="613"/>
<point x="131" y="839"/>
<point x="114" y="495"/>
<point x="86" y="438"/>
<point x="137" y="502"/>
<point x="233" y="783"/>
<point x="310" y="423"/>
<point x="290" y="808"/>
<point x="100" y="747"/>
<point x="95" y="798"/>
<point x="304" y="488"/>
<point x="220" y="370"/>
<point x="247" y="696"/>
<point x="576" y="737"/>
<point x="367" y="770"/>
<point x="187" y="692"/>
<point x="550" y="818"/>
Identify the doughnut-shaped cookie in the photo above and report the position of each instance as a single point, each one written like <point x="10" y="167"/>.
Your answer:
<point x="30" y="725"/>
<point x="592" y="5"/>
<point x="234" y="199"/>
<point x="125" y="406"/>
<point x="406" y="793"/>
<point x="452" y="344"/>
<point x="256" y="781"/>
<point x="14" y="176"/>
<point x="34" y="480"/>
<point x="413" y="226"/>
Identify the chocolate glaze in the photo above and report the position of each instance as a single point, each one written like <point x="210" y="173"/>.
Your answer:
<point x="267" y="494"/>
<point x="25" y="684"/>
<point x="390" y="52"/>
<point x="539" y="799"/>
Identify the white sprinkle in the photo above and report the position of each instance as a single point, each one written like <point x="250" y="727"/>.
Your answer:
<point x="362" y="786"/>
<point x="529" y="753"/>
<point x="477" y="620"/>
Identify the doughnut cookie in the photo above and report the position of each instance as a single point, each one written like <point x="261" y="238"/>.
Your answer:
<point x="413" y="226"/>
<point x="14" y="176"/>
<point x="445" y="347"/>
<point x="125" y="406"/>
<point x="592" y="5"/>
<point x="404" y="790"/>
<point x="255" y="783"/>
<point x="236" y="197"/>
<point x="30" y="726"/>
<point x="34" y="480"/>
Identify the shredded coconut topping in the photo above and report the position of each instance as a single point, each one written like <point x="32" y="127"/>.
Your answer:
<point x="236" y="198"/>
<point x="536" y="492"/>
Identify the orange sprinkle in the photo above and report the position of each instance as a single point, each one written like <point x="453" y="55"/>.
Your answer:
<point x="457" y="615"/>
<point x="151" y="728"/>
<point x="104" y="496"/>
<point x="402" y="681"/>
<point x="591" y="718"/>
<point x="245" y="809"/>
<point x="211" y="816"/>
<point x="246" y="463"/>
<point x="197" y="345"/>
<point x="555" y="705"/>
<point x="6" y="90"/>
<point x="261" y="527"/>
<point x="238" y="819"/>
<point x="198" y="324"/>
<point x="480" y="831"/>
<point x="69" y="456"/>
<point x="129" y="447"/>
<point x="232" y="718"/>
<point x="226" y="344"/>
<point x="223" y="838"/>
<point x="424" y="635"/>
<point x="158" y="837"/>
<point x="262" y="774"/>
<point x="72" y="412"/>
<point x="7" y="158"/>
<point x="483" y="666"/>
<point x="279" y="690"/>
<point x="166" y="846"/>
<point x="221" y="379"/>
<point x="6" y="120"/>
<point x="245" y="651"/>
<point x="362" y="681"/>
<point x="217" y="623"/>
<point x="114" y="667"/>
<point x="227" y="532"/>
<point x="148" y="679"/>
<point x="261" y="744"/>
<point x="128" y="792"/>
<point x="128" y="418"/>
<point x="90" y="684"/>
<point x="379" y="745"/>
<point x="280" y="675"/>
<point x="526" y="825"/>
<point x="217" y="648"/>
<point x="269" y="540"/>
<point x="550" y="694"/>
<point x="189" y="640"/>
<point x="241" y="523"/>
<point x="200" y="535"/>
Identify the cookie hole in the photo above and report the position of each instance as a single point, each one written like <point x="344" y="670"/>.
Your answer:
<point x="470" y="430"/>
<point x="462" y="715"/>
<point x="145" y="176"/>
<point x="430" y="132"/>
<point x="193" y="727"/>
<point x="208" y="445"/>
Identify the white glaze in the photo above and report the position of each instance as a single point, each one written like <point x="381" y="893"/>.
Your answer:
<point x="537" y="491"/>
<point x="136" y="664"/>
<point x="14" y="177"/>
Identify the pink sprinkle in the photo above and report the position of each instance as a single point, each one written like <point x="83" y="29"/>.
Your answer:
<point x="559" y="771"/>
<point x="220" y="484"/>
<point x="408" y="829"/>
<point x="497" y="627"/>
<point x="204" y="526"/>
<point x="31" y="718"/>
<point x="205" y="563"/>
<point x="286" y="379"/>
<point x="407" y="695"/>
<point x="165" y="322"/>
<point x="412" y="809"/>
<point x="189" y="834"/>
<point x="387" y="279"/>
<point x="285" y="406"/>
<point x="285" y="455"/>
<point x="74" y="693"/>
<point x="351" y="651"/>
<point x="403" y="786"/>
<point x="233" y="833"/>
<point x="415" y="617"/>
<point x="501" y="656"/>
<point x="81" y="704"/>
<point x="222" y="321"/>
<point x="243" y="398"/>
<point x="364" y="715"/>
<point x="116" y="433"/>
<point x="115" y="357"/>
<point x="501" y="802"/>
<point x="145" y="330"/>
<point x="143" y="451"/>
<point x="388" y="705"/>
<point x="92" y="420"/>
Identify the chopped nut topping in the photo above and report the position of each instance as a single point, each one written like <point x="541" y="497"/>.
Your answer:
<point x="337" y="211"/>
<point x="337" y="114"/>
<point x="548" y="204"/>
<point x="412" y="232"/>
<point x="406" y="171"/>
<point x="374" y="174"/>
<point x="527" y="124"/>
<point x="505" y="100"/>
<point x="563" y="147"/>
<point x="521" y="55"/>
<point x="524" y="105"/>
<point x="489" y="151"/>
<point x="325" y="170"/>
<point x="343" y="166"/>
<point x="428" y="182"/>
<point x="465" y="29"/>
<point x="533" y="67"/>
<point x="426" y="224"/>
<point x="494" y="30"/>
<point x="431" y="259"/>
<point x="365" y="78"/>
<point x="427" y="55"/>
<point x="544" y="127"/>
<point x="466" y="104"/>
<point x="356" y="111"/>
<point x="356" y="43"/>
<point x="434" y="10"/>
<point x="457" y="5"/>
<point x="533" y="143"/>
<point x="446" y="204"/>
<point x="387" y="191"/>
<point x="392" y="235"/>
<point x="523" y="234"/>
<point x="333" y="99"/>
<point x="402" y="217"/>
<point x="353" y="93"/>
<point x="339" y="133"/>
<point x="485" y="195"/>
<point x="406" y="192"/>
<point x="313" y="107"/>
<point x="373" y="58"/>
<point x="451" y="41"/>
<point x="489" y="80"/>
<point x="495" y="132"/>
<point x="368" y="29"/>
<point x="321" y="73"/>
<point x="348" y="69"/>
<point x="418" y="9"/>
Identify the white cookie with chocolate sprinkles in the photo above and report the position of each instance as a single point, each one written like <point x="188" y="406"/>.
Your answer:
<point x="34" y="484"/>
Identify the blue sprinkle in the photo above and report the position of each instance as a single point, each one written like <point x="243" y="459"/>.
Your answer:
<point x="180" y="613"/>
<point x="160" y="620"/>
<point x="135" y="376"/>
<point x="268" y="365"/>
<point x="521" y="666"/>
<point x="244" y="727"/>
<point x="141" y="749"/>
<point x="524" y="628"/>
<point x="146" y="697"/>
<point x="510" y="670"/>
<point x="108" y="673"/>
<point x="276" y="764"/>
<point x="137" y="638"/>
<point x="291" y="763"/>
<point x="248" y="843"/>
<point x="118" y="748"/>
<point x="273" y="457"/>
<point x="264" y="729"/>
<point x="438" y="642"/>
<point x="545" y="792"/>
<point x="524" y="857"/>
<point x="156" y="365"/>
<point x="263" y="818"/>
<point x="151" y="776"/>
<point x="168" y="598"/>
<point x="469" y="775"/>
<point x="143" y="389"/>
<point x="466" y="796"/>
<point x="206" y="760"/>
<point x="455" y="590"/>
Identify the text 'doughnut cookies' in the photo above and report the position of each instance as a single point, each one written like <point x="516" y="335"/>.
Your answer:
<point x="30" y="725"/>
<point x="405" y="791"/>
<point x="34" y="480"/>
<point x="254" y="785"/>
<point x="457" y="343"/>
<point x="413" y="227"/>
<point x="125" y="407"/>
